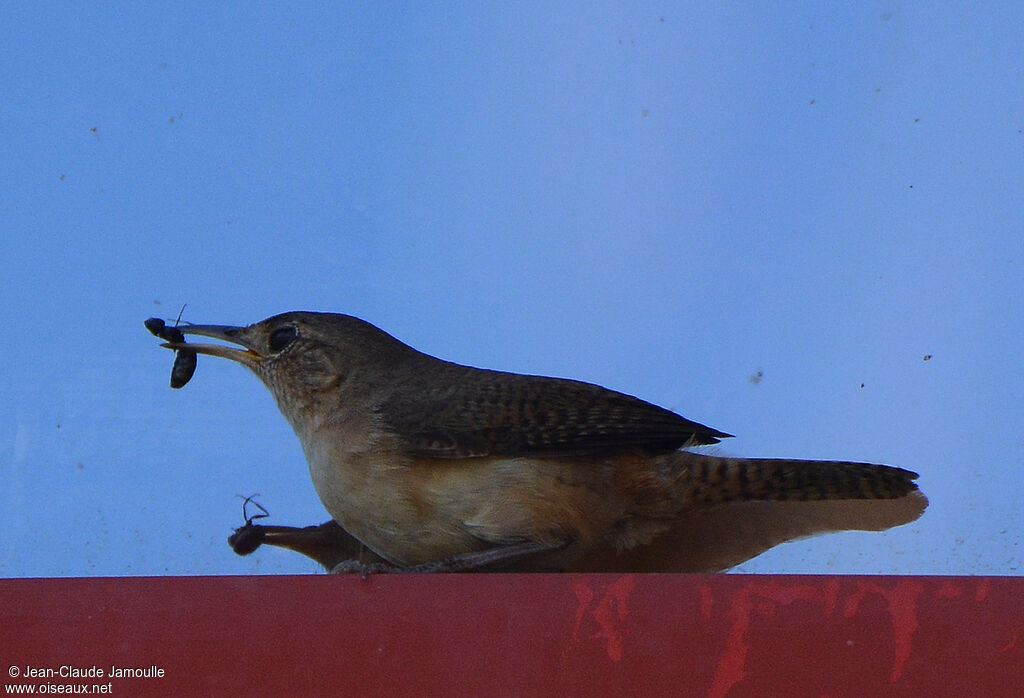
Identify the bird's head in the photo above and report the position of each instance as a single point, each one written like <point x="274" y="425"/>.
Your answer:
<point x="305" y="359"/>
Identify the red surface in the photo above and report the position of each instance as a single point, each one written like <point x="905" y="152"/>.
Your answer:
<point x="524" y="635"/>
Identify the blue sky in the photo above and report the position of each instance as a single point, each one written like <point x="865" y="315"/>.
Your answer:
<point x="664" y="200"/>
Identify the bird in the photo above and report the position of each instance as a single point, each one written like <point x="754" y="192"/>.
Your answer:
<point x="427" y="465"/>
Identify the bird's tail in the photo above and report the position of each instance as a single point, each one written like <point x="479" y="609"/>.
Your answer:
<point x="728" y="510"/>
<point x="709" y="480"/>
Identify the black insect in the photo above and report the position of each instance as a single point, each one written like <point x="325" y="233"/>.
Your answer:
<point x="250" y="536"/>
<point x="155" y="325"/>
<point x="184" y="359"/>
<point x="184" y="367"/>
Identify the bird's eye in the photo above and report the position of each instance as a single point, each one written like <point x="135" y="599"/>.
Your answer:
<point x="282" y="337"/>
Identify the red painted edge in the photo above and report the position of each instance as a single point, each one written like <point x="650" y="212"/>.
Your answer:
<point x="478" y="635"/>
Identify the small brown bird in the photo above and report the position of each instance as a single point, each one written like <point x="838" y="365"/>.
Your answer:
<point x="429" y="465"/>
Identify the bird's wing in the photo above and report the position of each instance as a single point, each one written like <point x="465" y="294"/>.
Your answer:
<point x="490" y="413"/>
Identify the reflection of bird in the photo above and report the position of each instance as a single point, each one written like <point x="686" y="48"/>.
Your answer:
<point x="432" y="464"/>
<point x="328" y="543"/>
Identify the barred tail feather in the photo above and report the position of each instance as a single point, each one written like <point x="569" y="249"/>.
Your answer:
<point x="734" y="509"/>
<point x="714" y="480"/>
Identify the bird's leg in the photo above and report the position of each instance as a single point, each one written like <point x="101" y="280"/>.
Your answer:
<point x="475" y="561"/>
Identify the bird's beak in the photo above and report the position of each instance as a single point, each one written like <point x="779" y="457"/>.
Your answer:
<point x="236" y="335"/>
